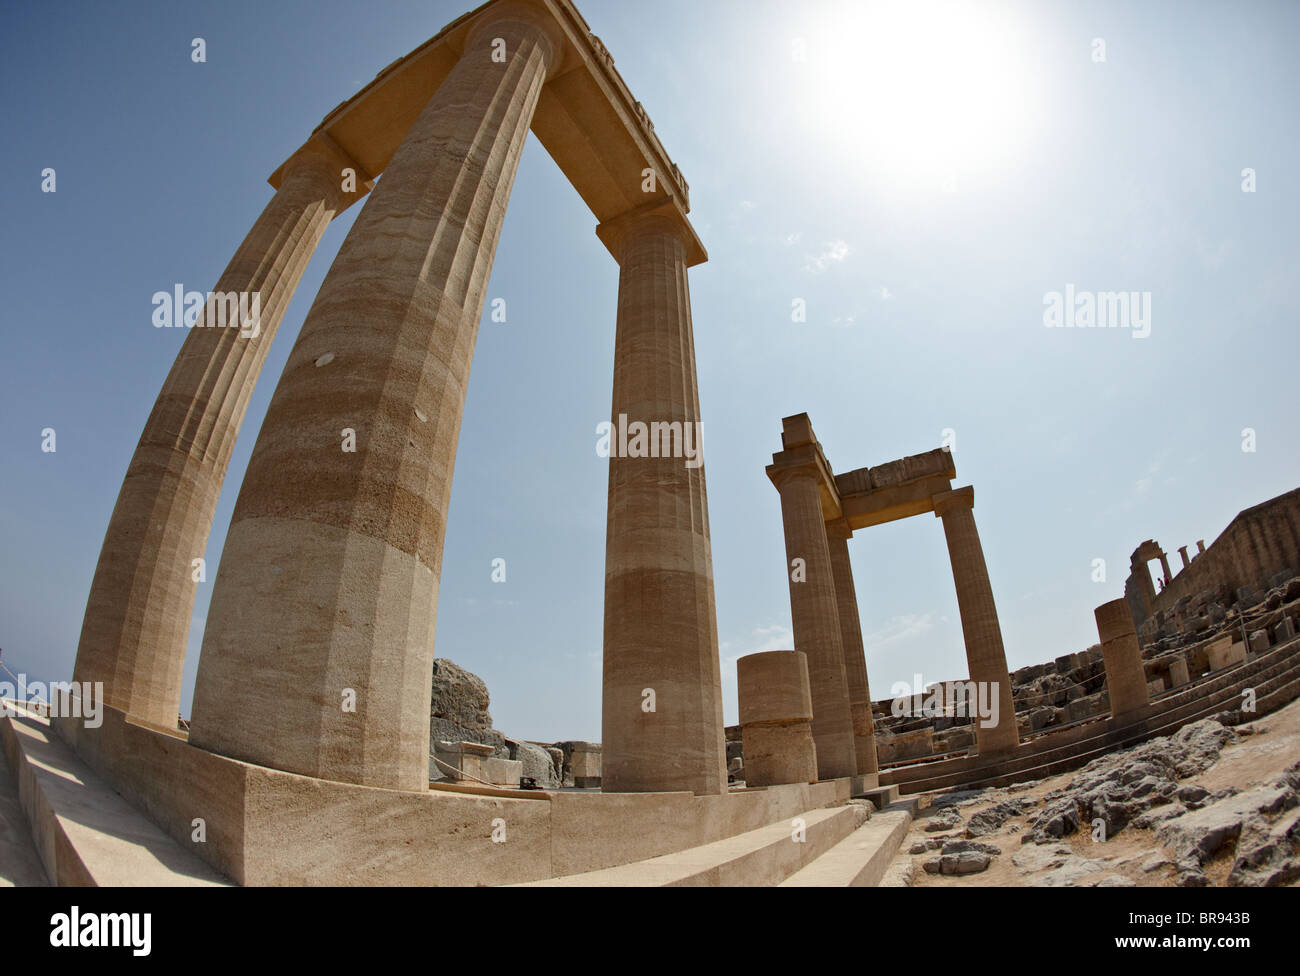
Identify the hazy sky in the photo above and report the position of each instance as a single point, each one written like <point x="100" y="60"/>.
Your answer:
<point x="922" y="177"/>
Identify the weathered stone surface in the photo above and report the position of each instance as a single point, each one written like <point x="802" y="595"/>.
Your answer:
<point x="989" y="820"/>
<point x="946" y="819"/>
<point x="458" y="708"/>
<point x="538" y="766"/>
<point x="1198" y="835"/>
<point x="1058" y="819"/>
<point x="1122" y="786"/>
<point x="962" y="862"/>
<point x="1267" y="854"/>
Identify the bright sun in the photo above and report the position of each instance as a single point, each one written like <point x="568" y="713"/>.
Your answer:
<point x="921" y="94"/>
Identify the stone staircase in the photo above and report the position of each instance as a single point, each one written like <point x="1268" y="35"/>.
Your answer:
<point x="1274" y="676"/>
<point x="841" y="847"/>
<point x="61" y="823"/>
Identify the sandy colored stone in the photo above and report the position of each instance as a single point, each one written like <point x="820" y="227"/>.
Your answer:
<point x="855" y="661"/>
<point x="137" y="620"/>
<point x="328" y="583"/>
<point x="661" y="632"/>
<point x="985" y="655"/>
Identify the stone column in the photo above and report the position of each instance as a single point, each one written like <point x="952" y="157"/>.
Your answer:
<point x="1182" y="551"/>
<point x="319" y="644"/>
<point x="137" y="620"/>
<point x="985" y="656"/>
<point x="1164" y="567"/>
<point x="1126" y="680"/>
<point x="776" y="718"/>
<point x="815" y="615"/>
<point x="662" y="686"/>
<point x="855" y="660"/>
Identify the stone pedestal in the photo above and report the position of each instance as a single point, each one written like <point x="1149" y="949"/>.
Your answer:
<point x="815" y="617"/>
<point x="137" y="620"/>
<point x="319" y="642"/>
<point x="585" y="765"/>
<point x="1178" y="672"/>
<point x="985" y="656"/>
<point x="776" y="718"/>
<point x="855" y="661"/>
<point x="1126" y="680"/>
<point x="661" y="725"/>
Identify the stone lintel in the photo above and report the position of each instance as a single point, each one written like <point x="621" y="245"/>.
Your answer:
<point x="881" y="505"/>
<point x="598" y="134"/>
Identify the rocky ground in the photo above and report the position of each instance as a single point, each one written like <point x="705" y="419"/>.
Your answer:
<point x="1214" y="804"/>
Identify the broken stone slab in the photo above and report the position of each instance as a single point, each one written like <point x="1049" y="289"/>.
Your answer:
<point x="964" y="862"/>
<point x="537" y="766"/>
<point x="946" y="819"/>
<point x="989" y="820"/>
<point x="1198" y="835"/>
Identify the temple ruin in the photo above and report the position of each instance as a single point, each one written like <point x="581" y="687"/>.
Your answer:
<point x="315" y="756"/>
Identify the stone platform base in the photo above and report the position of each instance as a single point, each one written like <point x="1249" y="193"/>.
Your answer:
<point x="266" y="827"/>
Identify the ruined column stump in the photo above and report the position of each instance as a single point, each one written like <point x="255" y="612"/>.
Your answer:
<point x="776" y="718"/>
<point x="1126" y="680"/>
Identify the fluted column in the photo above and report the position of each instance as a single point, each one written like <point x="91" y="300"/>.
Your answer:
<point x="815" y="616"/>
<point x="662" y="686"/>
<point x="985" y="654"/>
<point x="1126" y="680"/>
<point x="855" y="660"/>
<point x="137" y="620"/>
<point x="319" y="644"/>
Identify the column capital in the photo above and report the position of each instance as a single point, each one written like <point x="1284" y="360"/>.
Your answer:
<point x="957" y="499"/>
<point x="327" y="160"/>
<point x="503" y="16"/>
<point x="664" y="215"/>
<point x="782" y="475"/>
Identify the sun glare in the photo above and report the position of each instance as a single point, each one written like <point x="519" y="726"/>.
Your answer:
<point x="920" y="94"/>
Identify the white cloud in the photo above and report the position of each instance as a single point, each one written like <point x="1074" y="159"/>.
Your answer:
<point x="899" y="629"/>
<point x="833" y="252"/>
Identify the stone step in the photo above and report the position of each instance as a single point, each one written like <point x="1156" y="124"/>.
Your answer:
<point x="861" y="859"/>
<point x="1269" y="672"/>
<point x="1273" y="693"/>
<point x="84" y="832"/>
<point x="20" y="864"/>
<point x="880" y="796"/>
<point x="761" y="857"/>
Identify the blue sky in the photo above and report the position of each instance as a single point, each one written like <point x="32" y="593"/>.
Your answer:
<point x="920" y="179"/>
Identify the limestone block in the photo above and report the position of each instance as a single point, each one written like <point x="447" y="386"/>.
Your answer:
<point x="1284" y="631"/>
<point x="501" y="772"/>
<point x="1259" y="641"/>
<point x="1225" y="652"/>
<point x="1178" y="672"/>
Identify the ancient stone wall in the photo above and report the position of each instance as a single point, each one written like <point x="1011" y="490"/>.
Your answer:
<point x="1261" y="542"/>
